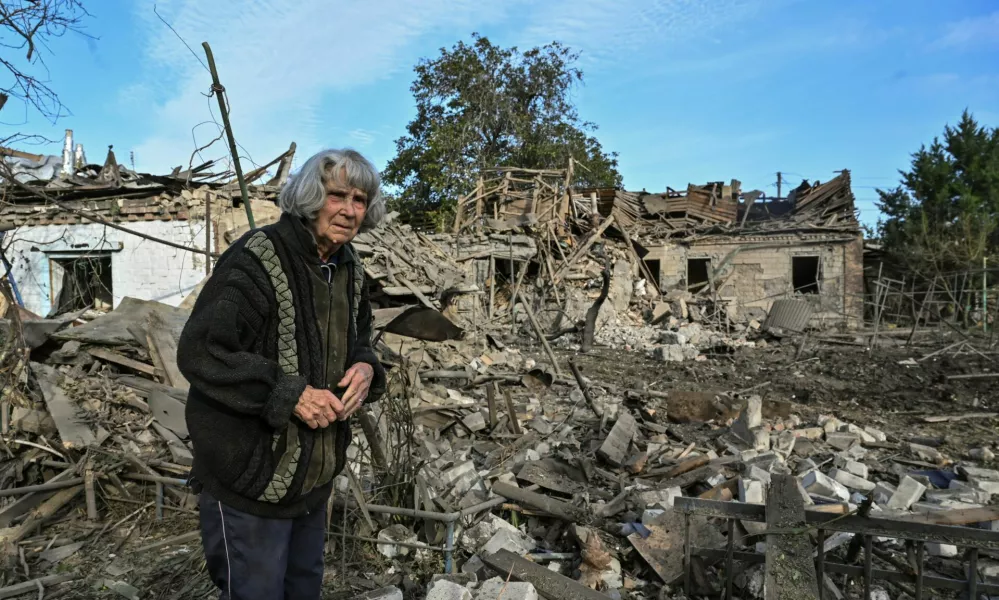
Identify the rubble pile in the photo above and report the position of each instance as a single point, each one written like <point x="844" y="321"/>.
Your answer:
<point x="507" y="459"/>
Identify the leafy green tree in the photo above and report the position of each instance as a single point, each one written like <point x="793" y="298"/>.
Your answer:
<point x="944" y="217"/>
<point x="480" y="106"/>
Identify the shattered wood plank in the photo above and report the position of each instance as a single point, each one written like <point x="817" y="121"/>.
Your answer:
<point x="663" y="548"/>
<point x="169" y="412"/>
<point x="113" y="328"/>
<point x="178" y="451"/>
<point x="72" y="432"/>
<point x="145" y="387"/>
<point x="118" y="359"/>
<point x="544" y="475"/>
<point x="549" y="584"/>
<point x="19" y="589"/>
<point x="677" y="470"/>
<point x="54" y="555"/>
<point x="562" y="510"/>
<point x="12" y="535"/>
<point x="790" y="572"/>
<point x="959" y="516"/>
<point x="949" y="418"/>
<point x="32" y="500"/>
<point x="163" y="345"/>
<point x="614" y="449"/>
<point x="690" y="477"/>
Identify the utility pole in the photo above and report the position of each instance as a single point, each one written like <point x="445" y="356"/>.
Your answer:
<point x="778" y="184"/>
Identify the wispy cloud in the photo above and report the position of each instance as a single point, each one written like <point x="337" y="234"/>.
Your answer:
<point x="606" y="30"/>
<point x="362" y="137"/>
<point x="276" y="60"/>
<point x="973" y="32"/>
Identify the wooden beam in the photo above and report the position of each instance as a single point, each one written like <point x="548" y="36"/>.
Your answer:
<point x="118" y="359"/>
<point x="549" y="584"/>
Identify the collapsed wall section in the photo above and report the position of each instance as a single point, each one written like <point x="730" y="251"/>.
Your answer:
<point x="749" y="273"/>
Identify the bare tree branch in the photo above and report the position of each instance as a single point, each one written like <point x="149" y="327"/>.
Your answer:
<point x="27" y="26"/>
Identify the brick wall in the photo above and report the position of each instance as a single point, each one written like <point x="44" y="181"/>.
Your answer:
<point x="754" y="274"/>
<point x="139" y="268"/>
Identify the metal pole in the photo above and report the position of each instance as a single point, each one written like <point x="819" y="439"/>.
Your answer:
<point x="219" y="92"/>
<point x="449" y="547"/>
<point x="10" y="274"/>
<point x="208" y="233"/>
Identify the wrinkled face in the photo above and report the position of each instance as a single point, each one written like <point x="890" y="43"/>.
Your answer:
<point x="340" y="218"/>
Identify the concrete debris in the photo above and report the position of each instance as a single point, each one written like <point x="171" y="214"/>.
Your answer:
<point x="568" y="486"/>
<point x="908" y="493"/>
<point x="446" y="590"/>
<point x="395" y="533"/>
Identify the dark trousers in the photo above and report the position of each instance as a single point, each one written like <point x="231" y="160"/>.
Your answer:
<point x="253" y="558"/>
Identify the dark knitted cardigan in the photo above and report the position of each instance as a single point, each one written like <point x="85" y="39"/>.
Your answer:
<point x="250" y="347"/>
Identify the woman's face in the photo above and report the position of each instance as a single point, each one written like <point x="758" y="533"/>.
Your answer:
<point x="340" y="218"/>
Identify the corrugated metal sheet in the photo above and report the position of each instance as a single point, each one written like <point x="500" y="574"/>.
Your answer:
<point x="788" y="316"/>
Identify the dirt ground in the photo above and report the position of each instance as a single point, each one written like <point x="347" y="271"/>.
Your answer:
<point x="846" y="381"/>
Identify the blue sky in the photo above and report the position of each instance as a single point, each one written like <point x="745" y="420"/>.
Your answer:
<point x="684" y="90"/>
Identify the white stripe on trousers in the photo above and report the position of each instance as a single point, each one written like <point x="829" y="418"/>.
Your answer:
<point x="228" y="565"/>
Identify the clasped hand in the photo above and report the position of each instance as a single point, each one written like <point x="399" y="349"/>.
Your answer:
<point x="320" y="408"/>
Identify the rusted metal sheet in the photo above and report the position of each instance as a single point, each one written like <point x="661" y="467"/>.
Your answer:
<point x="788" y="316"/>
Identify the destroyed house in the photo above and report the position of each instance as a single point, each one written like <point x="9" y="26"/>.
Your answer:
<point x="79" y="235"/>
<point x="741" y="252"/>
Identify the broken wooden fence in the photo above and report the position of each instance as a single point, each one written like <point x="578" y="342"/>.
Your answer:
<point x="869" y="527"/>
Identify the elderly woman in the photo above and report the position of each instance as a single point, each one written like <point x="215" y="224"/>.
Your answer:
<point x="278" y="354"/>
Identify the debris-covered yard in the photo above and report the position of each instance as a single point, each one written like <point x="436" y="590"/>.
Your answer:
<point x="559" y="423"/>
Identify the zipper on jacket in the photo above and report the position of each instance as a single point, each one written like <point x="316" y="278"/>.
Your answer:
<point x="329" y="315"/>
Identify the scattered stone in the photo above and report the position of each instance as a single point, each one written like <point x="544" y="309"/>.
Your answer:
<point x="809" y="433"/>
<point x="841" y="440"/>
<point x="943" y="550"/>
<point x="386" y="593"/>
<point x="465" y="579"/>
<point x="751" y="491"/>
<point x="498" y="589"/>
<point x="661" y="498"/>
<point x="877" y="434"/>
<point x="474" y="566"/>
<point x="908" y="493"/>
<point x="982" y="454"/>
<point x="883" y="492"/>
<point x="851" y="481"/>
<point x="396" y="533"/>
<point x="852" y="466"/>
<point x="445" y="590"/>
<point x="513" y="541"/>
<point x="925" y="453"/>
<point x="823" y="485"/>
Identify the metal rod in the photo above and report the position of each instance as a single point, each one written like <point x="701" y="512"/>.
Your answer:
<point x="686" y="554"/>
<point x="155" y="479"/>
<point x="449" y="548"/>
<point x="208" y="234"/>
<point x="868" y="555"/>
<point x="159" y="500"/>
<point x="42" y="487"/>
<point x="415" y="545"/>
<point x="219" y="92"/>
<point x="729" y="560"/>
<point x="820" y="562"/>
<point x="973" y="574"/>
<point x="919" y="570"/>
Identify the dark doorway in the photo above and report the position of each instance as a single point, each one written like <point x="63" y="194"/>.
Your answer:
<point x="654" y="267"/>
<point x="697" y="273"/>
<point x="805" y="274"/>
<point x="83" y="281"/>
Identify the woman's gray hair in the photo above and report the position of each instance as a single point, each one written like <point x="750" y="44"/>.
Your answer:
<point x="305" y="192"/>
